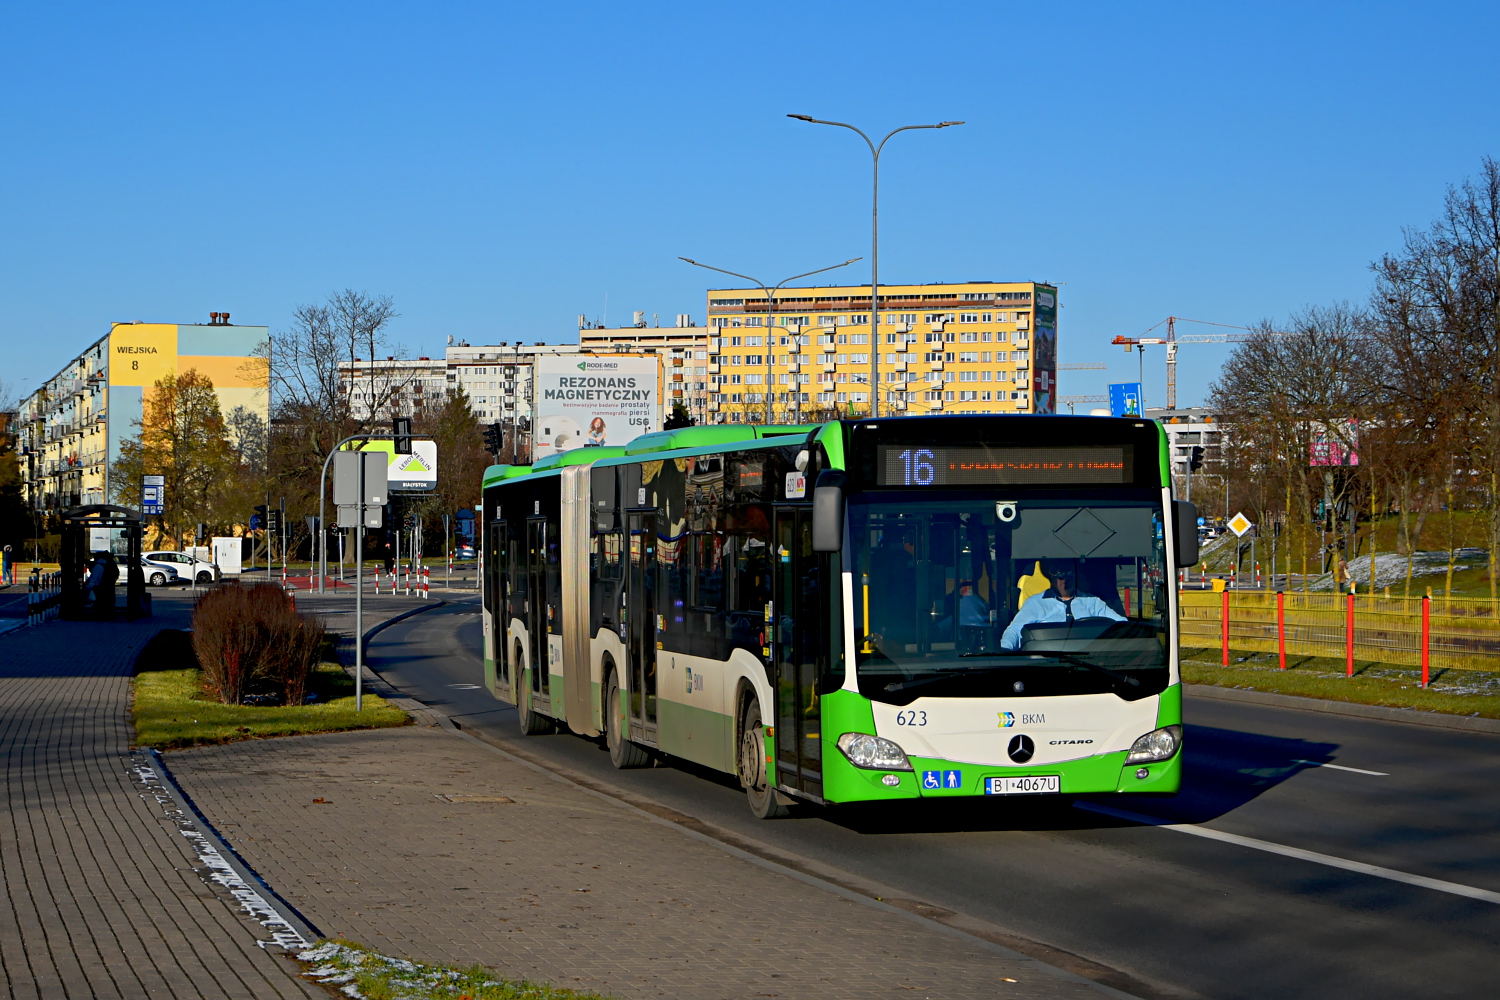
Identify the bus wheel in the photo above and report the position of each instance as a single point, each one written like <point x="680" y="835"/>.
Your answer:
<point x="532" y="723"/>
<point x="752" y="766"/>
<point x="622" y="752"/>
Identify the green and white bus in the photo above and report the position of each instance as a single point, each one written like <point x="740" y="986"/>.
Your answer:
<point x="853" y="611"/>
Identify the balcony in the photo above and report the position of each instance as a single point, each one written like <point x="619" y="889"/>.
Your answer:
<point x="899" y="366"/>
<point x="713" y="369"/>
<point x="936" y="366"/>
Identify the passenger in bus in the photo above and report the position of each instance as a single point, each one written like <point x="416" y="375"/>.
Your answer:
<point x="1062" y="602"/>
<point x="973" y="620"/>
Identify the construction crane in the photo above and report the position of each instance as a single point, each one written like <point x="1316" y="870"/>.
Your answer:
<point x="1171" y="340"/>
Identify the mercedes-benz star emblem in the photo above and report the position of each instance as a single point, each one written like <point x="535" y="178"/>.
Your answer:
<point x="1021" y="748"/>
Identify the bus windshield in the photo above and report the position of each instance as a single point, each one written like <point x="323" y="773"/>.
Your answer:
<point x="964" y="594"/>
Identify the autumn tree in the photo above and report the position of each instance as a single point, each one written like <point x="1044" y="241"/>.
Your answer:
<point x="184" y="439"/>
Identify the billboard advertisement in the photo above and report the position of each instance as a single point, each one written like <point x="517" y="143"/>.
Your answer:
<point x="587" y="401"/>
<point x="1125" y="399"/>
<point x="414" y="473"/>
<point x="1044" y="353"/>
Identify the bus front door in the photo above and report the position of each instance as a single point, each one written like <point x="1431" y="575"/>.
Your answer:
<point x="799" y="648"/>
<point x="536" y="606"/>
<point x="640" y="626"/>
<point x="496" y="607"/>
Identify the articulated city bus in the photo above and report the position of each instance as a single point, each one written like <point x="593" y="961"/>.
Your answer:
<point x="854" y="611"/>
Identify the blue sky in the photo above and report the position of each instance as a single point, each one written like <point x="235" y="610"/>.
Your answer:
<point x="500" y="168"/>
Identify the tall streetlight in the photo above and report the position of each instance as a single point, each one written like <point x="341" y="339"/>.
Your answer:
<point x="875" y="149"/>
<point x="770" y="313"/>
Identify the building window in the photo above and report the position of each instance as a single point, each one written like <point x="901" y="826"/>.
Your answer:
<point x="968" y="317"/>
<point x="828" y="320"/>
<point x="968" y="376"/>
<point x="969" y="356"/>
<point x="968" y="338"/>
<point x="985" y="376"/>
<point x="986" y="319"/>
<point x="859" y="359"/>
<point x="985" y="396"/>
<point x="968" y="396"/>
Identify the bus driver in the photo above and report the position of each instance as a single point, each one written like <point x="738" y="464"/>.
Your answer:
<point x="1062" y="602"/>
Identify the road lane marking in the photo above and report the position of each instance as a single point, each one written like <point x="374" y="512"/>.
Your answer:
<point x="1341" y="767"/>
<point x="1440" y="885"/>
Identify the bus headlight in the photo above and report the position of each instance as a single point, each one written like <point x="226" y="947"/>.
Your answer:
<point x="873" y="753"/>
<point x="1160" y="744"/>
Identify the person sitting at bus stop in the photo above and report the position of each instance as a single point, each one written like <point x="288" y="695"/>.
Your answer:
<point x="1062" y="602"/>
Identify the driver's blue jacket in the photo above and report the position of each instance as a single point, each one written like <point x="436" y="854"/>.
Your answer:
<point x="1048" y="607"/>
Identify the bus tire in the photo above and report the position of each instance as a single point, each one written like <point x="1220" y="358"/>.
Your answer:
<point x="532" y="723"/>
<point x="623" y="752"/>
<point x="764" y="802"/>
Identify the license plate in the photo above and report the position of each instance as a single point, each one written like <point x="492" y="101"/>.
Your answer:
<point x="1036" y="784"/>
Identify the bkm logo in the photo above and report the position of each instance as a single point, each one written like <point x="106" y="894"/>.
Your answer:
<point x="1007" y="719"/>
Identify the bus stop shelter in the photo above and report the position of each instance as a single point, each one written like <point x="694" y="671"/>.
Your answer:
<point x="79" y="525"/>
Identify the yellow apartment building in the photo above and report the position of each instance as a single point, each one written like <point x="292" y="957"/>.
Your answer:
<point x="967" y="347"/>
<point x="70" y="429"/>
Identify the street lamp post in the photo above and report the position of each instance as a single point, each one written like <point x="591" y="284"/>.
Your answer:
<point x="875" y="149"/>
<point x="770" y="312"/>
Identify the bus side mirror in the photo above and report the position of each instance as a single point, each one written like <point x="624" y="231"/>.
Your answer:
<point x="1185" y="523"/>
<point x="828" y="511"/>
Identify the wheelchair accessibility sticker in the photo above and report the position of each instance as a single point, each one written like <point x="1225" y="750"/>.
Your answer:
<point x="934" y="780"/>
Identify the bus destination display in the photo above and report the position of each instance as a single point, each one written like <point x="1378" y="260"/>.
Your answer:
<point x="917" y="465"/>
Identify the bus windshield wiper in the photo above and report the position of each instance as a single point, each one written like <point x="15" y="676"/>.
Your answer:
<point x="1065" y="657"/>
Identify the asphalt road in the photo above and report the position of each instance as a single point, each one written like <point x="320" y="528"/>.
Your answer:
<point x="1179" y="913"/>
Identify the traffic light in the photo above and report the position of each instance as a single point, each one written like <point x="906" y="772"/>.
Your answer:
<point x="273" y="521"/>
<point x="494" y="438"/>
<point x="401" y="428"/>
<point x="258" y="519"/>
<point x="1195" y="458"/>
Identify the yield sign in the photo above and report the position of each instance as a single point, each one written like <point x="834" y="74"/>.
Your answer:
<point x="1239" y="524"/>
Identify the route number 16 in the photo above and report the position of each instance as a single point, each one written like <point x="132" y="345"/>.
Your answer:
<point x="918" y="466"/>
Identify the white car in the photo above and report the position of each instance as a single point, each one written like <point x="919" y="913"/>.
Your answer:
<point x="158" y="573"/>
<point x="186" y="566"/>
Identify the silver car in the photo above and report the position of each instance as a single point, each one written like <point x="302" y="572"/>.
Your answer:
<point x="186" y="566"/>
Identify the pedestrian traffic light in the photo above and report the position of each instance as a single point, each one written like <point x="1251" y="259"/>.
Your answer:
<point x="494" y="438"/>
<point x="401" y="428"/>
<point x="1195" y="458"/>
<point x="258" y="519"/>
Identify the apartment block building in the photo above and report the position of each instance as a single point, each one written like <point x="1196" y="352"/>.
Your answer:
<point x="70" y="429"/>
<point x="968" y="347"/>
<point x="379" y="390"/>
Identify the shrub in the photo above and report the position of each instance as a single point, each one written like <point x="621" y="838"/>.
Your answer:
<point x="251" y="641"/>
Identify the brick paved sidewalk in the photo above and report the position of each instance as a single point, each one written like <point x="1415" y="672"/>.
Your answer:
<point x="103" y="897"/>
<point x="431" y="846"/>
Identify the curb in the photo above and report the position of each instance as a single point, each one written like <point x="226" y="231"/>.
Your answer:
<point x="253" y="893"/>
<point x="1410" y="716"/>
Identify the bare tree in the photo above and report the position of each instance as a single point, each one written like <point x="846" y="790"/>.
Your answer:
<point x="1438" y="300"/>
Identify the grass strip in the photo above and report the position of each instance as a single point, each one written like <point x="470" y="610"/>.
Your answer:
<point x="359" y="972"/>
<point x="1453" y="692"/>
<point x="171" y="710"/>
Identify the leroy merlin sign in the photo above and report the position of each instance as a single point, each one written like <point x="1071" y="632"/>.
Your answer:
<point x="414" y="473"/>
